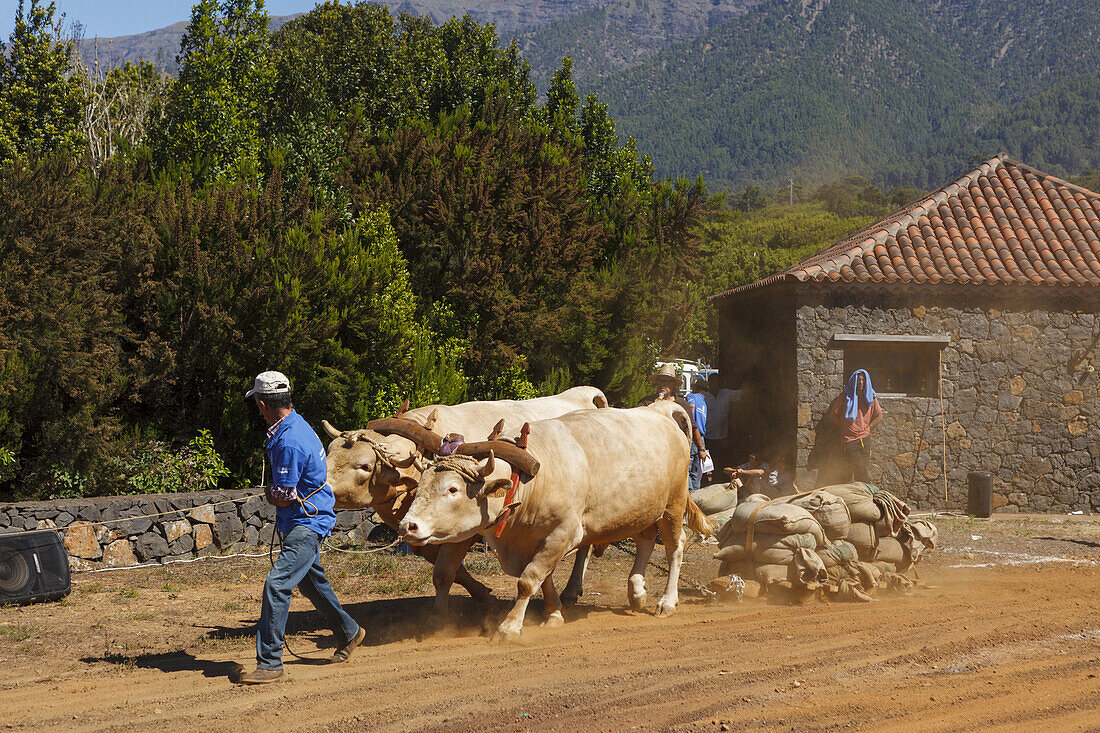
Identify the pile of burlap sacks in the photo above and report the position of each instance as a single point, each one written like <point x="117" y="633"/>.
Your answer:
<point x="840" y="542"/>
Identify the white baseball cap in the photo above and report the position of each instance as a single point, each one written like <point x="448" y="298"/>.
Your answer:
<point x="269" y="383"/>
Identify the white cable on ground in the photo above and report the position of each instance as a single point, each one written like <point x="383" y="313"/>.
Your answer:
<point x="330" y="548"/>
<point x="168" y="562"/>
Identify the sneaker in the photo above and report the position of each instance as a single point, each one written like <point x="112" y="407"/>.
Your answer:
<point x="261" y="676"/>
<point x="345" y="651"/>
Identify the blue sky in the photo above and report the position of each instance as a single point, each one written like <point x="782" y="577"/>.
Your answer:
<point x="109" y="18"/>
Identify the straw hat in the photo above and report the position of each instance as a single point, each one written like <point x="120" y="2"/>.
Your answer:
<point x="666" y="375"/>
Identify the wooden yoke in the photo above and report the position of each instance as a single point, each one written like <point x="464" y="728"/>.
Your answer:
<point x="414" y="431"/>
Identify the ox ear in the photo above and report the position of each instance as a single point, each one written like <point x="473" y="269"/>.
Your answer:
<point x="430" y="422"/>
<point x="683" y="421"/>
<point x="496" y="488"/>
<point x="332" y="432"/>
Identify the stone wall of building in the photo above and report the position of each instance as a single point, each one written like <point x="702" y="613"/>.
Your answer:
<point x="1021" y="395"/>
<point x="117" y="531"/>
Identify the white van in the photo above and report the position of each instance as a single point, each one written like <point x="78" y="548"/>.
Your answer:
<point x="688" y="370"/>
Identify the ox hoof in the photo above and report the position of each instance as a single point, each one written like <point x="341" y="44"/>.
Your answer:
<point x="482" y="599"/>
<point x="570" y="599"/>
<point x="554" y="620"/>
<point x="637" y="604"/>
<point x="502" y="634"/>
<point x="664" y="610"/>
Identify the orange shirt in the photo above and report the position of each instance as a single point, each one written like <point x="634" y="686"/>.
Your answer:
<point x="860" y="427"/>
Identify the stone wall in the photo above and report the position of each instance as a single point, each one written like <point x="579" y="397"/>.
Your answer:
<point x="114" y="531"/>
<point x="1021" y="395"/>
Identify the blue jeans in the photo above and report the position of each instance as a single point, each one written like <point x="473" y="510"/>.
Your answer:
<point x="695" y="472"/>
<point x="298" y="564"/>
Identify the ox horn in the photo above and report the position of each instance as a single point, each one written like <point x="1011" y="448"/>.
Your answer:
<point x="486" y="468"/>
<point x="403" y="409"/>
<point x="332" y="432"/>
<point x="430" y="422"/>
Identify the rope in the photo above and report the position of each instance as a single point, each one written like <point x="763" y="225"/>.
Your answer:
<point x="166" y="562"/>
<point x="333" y="548"/>
<point x="271" y="559"/>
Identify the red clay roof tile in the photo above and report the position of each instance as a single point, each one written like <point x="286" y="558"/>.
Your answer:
<point x="1002" y="223"/>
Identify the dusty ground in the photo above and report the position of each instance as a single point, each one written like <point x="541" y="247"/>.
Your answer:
<point x="1004" y="631"/>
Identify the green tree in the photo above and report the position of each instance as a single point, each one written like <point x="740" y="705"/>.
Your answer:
<point x="214" y="109"/>
<point x="496" y="227"/>
<point x="248" y="281"/>
<point x="561" y="104"/>
<point x="343" y="66"/>
<point x="41" y="98"/>
<point x="62" y="332"/>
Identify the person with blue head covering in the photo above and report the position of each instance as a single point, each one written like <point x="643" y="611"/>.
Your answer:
<point x="856" y="411"/>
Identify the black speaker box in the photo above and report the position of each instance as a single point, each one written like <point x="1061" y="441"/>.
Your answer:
<point x="34" y="566"/>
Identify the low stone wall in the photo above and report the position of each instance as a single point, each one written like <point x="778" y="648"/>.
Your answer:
<point x="117" y="531"/>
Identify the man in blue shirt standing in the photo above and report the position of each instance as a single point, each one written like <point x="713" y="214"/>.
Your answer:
<point x="699" y="454"/>
<point x="304" y="517"/>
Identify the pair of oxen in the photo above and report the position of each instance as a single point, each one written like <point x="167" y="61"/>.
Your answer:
<point x="590" y="475"/>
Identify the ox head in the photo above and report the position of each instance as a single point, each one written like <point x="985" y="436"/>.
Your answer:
<point x="365" y="467"/>
<point x="458" y="497"/>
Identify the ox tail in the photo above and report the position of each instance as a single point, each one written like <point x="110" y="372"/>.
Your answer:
<point x="698" y="521"/>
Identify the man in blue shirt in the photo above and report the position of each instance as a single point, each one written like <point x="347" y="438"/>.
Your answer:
<point x="304" y="517"/>
<point x="697" y="400"/>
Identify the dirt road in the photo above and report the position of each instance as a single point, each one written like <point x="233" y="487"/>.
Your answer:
<point x="1004" y="631"/>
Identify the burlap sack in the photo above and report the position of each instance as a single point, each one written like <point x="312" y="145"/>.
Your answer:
<point x="829" y="510"/>
<point x="776" y="518"/>
<point x="893" y="551"/>
<point x="808" y="569"/>
<point x="715" y="498"/>
<point x="717" y="521"/>
<point x="805" y="571"/>
<point x="892" y="580"/>
<point x="768" y="549"/>
<point x="863" y="536"/>
<point x="860" y="501"/>
<point x="837" y="553"/>
<point x="924" y="532"/>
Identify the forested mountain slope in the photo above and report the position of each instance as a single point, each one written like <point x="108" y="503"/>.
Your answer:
<point x="615" y="35"/>
<point x="904" y="90"/>
<point x="510" y="17"/>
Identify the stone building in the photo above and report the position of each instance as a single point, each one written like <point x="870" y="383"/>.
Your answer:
<point x="976" y="311"/>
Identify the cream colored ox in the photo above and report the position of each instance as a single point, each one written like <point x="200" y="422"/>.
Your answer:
<point x="605" y="475"/>
<point x="367" y="469"/>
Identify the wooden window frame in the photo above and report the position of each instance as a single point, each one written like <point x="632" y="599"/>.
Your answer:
<point x="899" y="365"/>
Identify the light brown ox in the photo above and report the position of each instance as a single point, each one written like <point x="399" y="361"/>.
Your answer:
<point x="366" y="469"/>
<point x="605" y="475"/>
